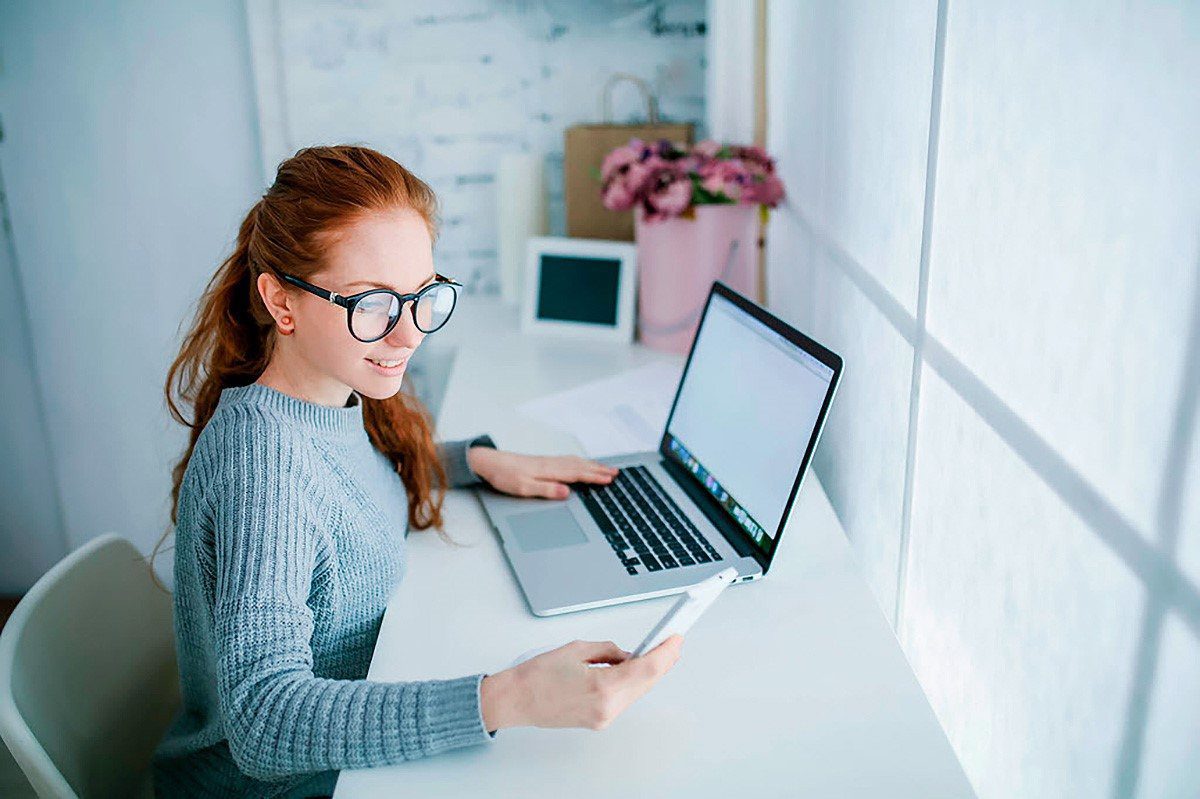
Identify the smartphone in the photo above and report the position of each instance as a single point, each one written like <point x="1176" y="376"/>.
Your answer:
<point x="691" y="605"/>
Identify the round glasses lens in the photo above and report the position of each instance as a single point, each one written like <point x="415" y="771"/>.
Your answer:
<point x="435" y="306"/>
<point x="373" y="315"/>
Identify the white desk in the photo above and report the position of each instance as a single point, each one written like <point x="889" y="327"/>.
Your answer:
<point x="790" y="686"/>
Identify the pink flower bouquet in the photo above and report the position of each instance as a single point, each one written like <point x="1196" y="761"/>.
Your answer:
<point x="668" y="182"/>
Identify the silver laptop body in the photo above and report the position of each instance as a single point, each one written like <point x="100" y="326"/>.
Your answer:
<point x="578" y="553"/>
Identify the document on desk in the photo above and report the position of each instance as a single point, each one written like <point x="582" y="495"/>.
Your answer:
<point x="622" y="413"/>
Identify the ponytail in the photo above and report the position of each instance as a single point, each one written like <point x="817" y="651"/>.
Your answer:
<point x="229" y="344"/>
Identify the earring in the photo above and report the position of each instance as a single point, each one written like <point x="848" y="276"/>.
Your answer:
<point x="285" y="320"/>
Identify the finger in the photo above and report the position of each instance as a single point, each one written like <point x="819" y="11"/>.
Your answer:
<point x="604" y="468"/>
<point x="593" y="476"/>
<point x="633" y="673"/>
<point x="575" y="464"/>
<point x="660" y="659"/>
<point x="602" y="652"/>
<point x="547" y="489"/>
<point x="673" y="644"/>
<point x="527" y="486"/>
<point x="566" y="470"/>
<point x="580" y="470"/>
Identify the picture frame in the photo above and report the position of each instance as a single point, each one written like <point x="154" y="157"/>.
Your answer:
<point x="579" y="288"/>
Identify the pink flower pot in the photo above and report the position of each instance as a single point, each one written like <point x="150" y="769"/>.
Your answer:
<point x="678" y="260"/>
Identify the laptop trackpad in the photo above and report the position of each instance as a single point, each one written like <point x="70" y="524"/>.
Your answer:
<point x="546" y="529"/>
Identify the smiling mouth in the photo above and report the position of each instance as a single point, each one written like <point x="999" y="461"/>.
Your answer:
<point x="388" y="364"/>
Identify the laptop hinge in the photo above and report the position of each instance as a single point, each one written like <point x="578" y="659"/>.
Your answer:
<point x="708" y="504"/>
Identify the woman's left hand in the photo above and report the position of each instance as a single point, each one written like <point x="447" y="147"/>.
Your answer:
<point x="535" y="475"/>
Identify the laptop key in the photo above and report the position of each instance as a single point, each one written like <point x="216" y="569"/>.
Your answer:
<point x="601" y="518"/>
<point x="634" y="513"/>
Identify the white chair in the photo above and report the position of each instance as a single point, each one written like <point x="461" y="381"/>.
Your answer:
<point x="88" y="678"/>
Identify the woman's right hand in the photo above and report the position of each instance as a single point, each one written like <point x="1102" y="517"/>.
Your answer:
<point x="559" y="688"/>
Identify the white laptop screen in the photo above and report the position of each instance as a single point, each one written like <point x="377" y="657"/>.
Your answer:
<point x="747" y="409"/>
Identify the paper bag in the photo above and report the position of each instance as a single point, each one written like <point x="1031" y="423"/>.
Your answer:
<point x="584" y="148"/>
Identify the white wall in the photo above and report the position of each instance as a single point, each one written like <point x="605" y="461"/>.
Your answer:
<point x="31" y="533"/>
<point x="994" y="216"/>
<point x="132" y="152"/>
<point x="446" y="89"/>
<point x="129" y="158"/>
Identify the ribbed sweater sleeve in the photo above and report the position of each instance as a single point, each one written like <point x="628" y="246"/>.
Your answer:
<point x="453" y="455"/>
<point x="280" y="719"/>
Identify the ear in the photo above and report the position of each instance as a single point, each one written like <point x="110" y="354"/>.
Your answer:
<point x="274" y="296"/>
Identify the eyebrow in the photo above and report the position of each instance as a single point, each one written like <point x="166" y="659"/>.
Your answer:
<point x="424" y="283"/>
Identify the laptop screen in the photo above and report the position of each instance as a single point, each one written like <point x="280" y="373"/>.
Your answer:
<point x="746" y="412"/>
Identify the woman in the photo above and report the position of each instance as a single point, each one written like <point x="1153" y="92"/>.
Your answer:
<point x="304" y="465"/>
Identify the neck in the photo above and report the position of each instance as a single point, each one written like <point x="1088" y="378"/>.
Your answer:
<point x="287" y="374"/>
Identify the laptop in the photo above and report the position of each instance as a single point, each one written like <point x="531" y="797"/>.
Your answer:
<point x="747" y="414"/>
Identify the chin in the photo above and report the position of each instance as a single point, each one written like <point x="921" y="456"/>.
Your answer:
<point x="380" y="388"/>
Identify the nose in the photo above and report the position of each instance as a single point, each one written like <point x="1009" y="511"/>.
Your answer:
<point x="405" y="333"/>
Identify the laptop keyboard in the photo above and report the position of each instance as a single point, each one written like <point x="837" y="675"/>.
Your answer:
<point x="643" y="525"/>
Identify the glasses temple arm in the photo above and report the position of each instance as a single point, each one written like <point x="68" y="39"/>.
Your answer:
<point x="329" y="296"/>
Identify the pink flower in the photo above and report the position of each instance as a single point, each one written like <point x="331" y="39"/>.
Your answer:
<point x="617" y="196"/>
<point x="669" y="194"/>
<point x="768" y="191"/>
<point x="690" y="163"/>
<point x="663" y="179"/>
<point x="642" y="173"/>
<point x="757" y="156"/>
<point x="619" y="159"/>
<point x="616" y="161"/>
<point x="628" y="179"/>
<point x="725" y="178"/>
<point x="665" y="148"/>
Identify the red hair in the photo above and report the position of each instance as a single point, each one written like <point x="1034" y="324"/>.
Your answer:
<point x="316" y="193"/>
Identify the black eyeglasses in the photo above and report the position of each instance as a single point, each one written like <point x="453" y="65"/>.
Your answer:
<point x="373" y="314"/>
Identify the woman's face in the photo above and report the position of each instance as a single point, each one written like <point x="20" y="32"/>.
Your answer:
<point x="384" y="249"/>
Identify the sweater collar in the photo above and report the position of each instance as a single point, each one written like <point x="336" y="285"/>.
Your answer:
<point x="323" y="419"/>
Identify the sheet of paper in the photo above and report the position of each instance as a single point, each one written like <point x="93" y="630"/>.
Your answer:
<point x="615" y="415"/>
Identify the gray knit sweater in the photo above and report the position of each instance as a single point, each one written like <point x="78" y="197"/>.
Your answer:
<point x="290" y="538"/>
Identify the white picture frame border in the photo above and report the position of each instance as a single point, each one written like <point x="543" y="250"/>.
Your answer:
<point x="625" y="252"/>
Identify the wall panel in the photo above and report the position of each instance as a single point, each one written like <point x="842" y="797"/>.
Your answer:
<point x="1065" y="246"/>
<point x="1020" y="624"/>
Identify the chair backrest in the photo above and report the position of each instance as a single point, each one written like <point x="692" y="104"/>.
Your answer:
<point x="88" y="677"/>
